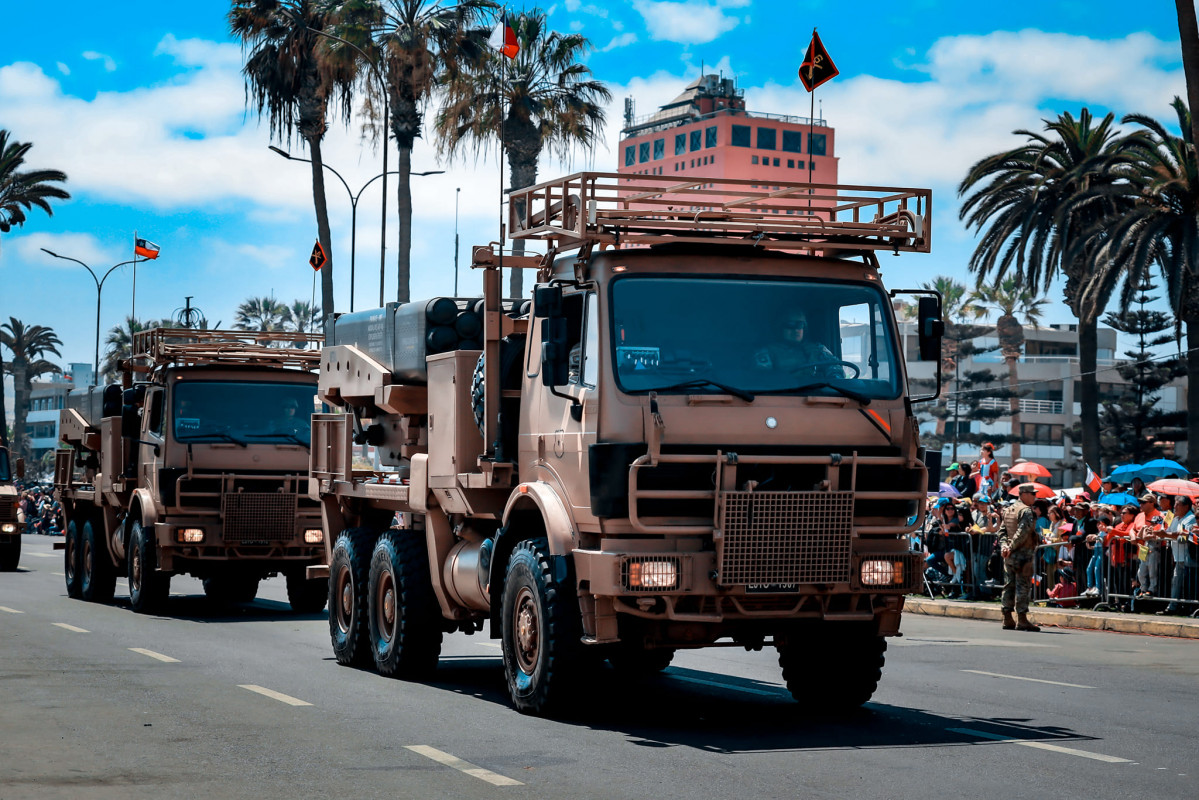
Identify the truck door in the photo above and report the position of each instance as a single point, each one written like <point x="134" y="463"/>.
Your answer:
<point x="152" y="436"/>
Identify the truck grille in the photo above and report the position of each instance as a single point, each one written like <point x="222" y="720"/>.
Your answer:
<point x="8" y="512"/>
<point x="258" y="516"/>
<point x="773" y="538"/>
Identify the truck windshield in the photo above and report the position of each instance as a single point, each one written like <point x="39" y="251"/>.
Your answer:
<point x="243" y="412"/>
<point x="773" y="336"/>
<point x="5" y="471"/>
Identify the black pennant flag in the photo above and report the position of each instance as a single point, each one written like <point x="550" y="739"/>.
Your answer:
<point x="817" y="67"/>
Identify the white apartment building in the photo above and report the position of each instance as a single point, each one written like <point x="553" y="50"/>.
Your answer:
<point x="46" y="400"/>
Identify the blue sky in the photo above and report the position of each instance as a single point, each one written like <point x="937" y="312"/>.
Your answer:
<point x="142" y="105"/>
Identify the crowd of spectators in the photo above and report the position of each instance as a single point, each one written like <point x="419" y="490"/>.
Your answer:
<point x="1139" y="556"/>
<point x="40" y="512"/>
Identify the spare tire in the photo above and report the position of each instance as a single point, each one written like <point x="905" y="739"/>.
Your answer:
<point x="512" y="352"/>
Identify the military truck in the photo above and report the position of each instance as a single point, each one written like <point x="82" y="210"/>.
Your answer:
<point x="10" y="523"/>
<point x="654" y="458"/>
<point x="195" y="464"/>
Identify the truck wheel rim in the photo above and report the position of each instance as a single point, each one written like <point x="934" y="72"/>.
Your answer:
<point x="87" y="560"/>
<point x="386" y="603"/>
<point x="135" y="570"/>
<point x="345" y="591"/>
<point x="69" y="567"/>
<point x="528" y="630"/>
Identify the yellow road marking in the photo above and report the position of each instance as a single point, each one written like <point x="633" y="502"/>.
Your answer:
<point x="282" y="698"/>
<point x="67" y="627"/>
<point x="152" y="654"/>
<point x="1022" y="678"/>
<point x="448" y="760"/>
<point x="10" y="610"/>
<point x="1055" y="748"/>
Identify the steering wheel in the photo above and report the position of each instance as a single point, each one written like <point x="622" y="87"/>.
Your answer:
<point x="816" y="365"/>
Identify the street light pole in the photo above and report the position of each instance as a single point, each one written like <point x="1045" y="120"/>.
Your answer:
<point x="99" y="290"/>
<point x="457" y="194"/>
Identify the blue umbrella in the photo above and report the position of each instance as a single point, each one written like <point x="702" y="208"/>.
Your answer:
<point x="1161" y="467"/>
<point x="1117" y="499"/>
<point x="948" y="491"/>
<point x="1125" y="473"/>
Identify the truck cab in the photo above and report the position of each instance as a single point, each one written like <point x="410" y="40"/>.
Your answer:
<point x="10" y="522"/>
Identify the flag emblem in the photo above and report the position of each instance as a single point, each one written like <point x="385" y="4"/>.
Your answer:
<point x="1093" y="482"/>
<point x="145" y="248"/>
<point x="503" y="38"/>
<point x="817" y="67"/>
<point x="318" y="259"/>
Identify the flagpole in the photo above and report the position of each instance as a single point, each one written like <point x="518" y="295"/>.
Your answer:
<point x="811" y="119"/>
<point x="133" y="305"/>
<point x="500" y="98"/>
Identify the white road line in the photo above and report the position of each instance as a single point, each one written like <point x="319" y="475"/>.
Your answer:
<point x="10" y="610"/>
<point x="998" y="737"/>
<point x="282" y="698"/>
<point x="1022" y="678"/>
<point x="719" y="685"/>
<point x="152" y="654"/>
<point x="442" y="757"/>
<point x="496" y="645"/>
<point x="42" y="555"/>
<point x="59" y="574"/>
<point x="67" y="627"/>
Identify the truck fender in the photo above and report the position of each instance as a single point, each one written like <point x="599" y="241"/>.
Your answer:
<point x="142" y="508"/>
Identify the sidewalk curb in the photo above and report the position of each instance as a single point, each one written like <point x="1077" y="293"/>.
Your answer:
<point x="1184" y="628"/>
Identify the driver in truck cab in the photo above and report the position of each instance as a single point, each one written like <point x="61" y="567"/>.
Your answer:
<point x="795" y="354"/>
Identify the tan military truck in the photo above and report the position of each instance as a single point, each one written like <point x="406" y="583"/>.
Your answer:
<point x="10" y="523"/>
<point x="700" y="436"/>
<point x="195" y="464"/>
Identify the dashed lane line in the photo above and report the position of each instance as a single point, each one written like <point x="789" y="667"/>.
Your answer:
<point x="1055" y="748"/>
<point x="8" y="610"/>
<point x="59" y="574"/>
<point x="731" y="686"/>
<point x="71" y="628"/>
<point x="152" y="654"/>
<point x="271" y="693"/>
<point x="1022" y="678"/>
<point x="441" y="757"/>
<point x="42" y="555"/>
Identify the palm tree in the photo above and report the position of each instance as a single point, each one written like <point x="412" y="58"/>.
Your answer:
<point x="1013" y="303"/>
<point x="1034" y="206"/>
<point x="1162" y="228"/>
<point x="301" y="317"/>
<point x="958" y="310"/>
<point x="290" y="79"/>
<point x="27" y="345"/>
<point x="20" y="192"/>
<point x="543" y="97"/>
<point x="118" y="344"/>
<point x="412" y="43"/>
<point x="1188" y="35"/>
<point x="260" y="314"/>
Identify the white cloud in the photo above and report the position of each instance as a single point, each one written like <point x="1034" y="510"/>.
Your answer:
<point x="688" y="21"/>
<point x="109" y="64"/>
<point x="63" y="68"/>
<point x="623" y="40"/>
<point x="83" y="246"/>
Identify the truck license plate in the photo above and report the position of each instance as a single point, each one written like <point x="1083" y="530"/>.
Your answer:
<point x="771" y="588"/>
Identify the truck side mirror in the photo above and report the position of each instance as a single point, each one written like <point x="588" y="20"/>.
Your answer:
<point x="547" y="302"/>
<point x="930" y="328"/>
<point x="555" y="355"/>
<point x="20" y="468"/>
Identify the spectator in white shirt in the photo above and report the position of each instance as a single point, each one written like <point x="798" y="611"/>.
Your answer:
<point x="1182" y="584"/>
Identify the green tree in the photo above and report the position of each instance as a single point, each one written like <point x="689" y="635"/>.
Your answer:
<point x="1037" y="207"/>
<point x="118" y="345"/>
<point x="412" y="43"/>
<point x="20" y="192"/>
<point x="300" y="317"/>
<point x="958" y="310"/>
<point x="1016" y="308"/>
<point x="291" y="81"/>
<point x="260" y="314"/>
<point x="28" y="345"/>
<point x="542" y="98"/>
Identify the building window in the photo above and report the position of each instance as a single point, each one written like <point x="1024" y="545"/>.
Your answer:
<point x="790" y="163"/>
<point x="766" y="139"/>
<point x="741" y="136"/>
<point x="680" y="144"/>
<point x="1041" y="433"/>
<point x="791" y="141"/>
<point x="695" y="139"/>
<point x="659" y="149"/>
<point x="710" y="136"/>
<point x="630" y="156"/>
<point x="643" y="152"/>
<point x="754" y="160"/>
<point x="776" y="162"/>
<point x="816" y="144"/>
<point x="801" y="164"/>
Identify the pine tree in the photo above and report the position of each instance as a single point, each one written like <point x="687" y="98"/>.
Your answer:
<point x="972" y="395"/>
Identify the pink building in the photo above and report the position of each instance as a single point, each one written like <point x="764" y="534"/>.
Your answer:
<point x="706" y="132"/>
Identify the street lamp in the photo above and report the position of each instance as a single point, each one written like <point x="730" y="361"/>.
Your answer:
<point x="99" y="289"/>
<point x="354" y="198"/>
<point x="457" y="194"/>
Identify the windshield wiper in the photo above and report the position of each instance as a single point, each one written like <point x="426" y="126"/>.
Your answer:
<point x="852" y="395"/>
<point x="224" y="437"/>
<point x="695" y="384"/>
<point x="280" y="434"/>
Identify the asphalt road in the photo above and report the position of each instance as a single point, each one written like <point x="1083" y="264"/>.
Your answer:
<point x="99" y="702"/>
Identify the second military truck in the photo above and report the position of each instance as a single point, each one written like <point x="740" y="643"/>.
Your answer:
<point x="701" y="435"/>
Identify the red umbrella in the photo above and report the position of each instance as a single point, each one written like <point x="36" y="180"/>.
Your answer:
<point x="1031" y="469"/>
<point x="1174" y="487"/>
<point x="1042" y="491"/>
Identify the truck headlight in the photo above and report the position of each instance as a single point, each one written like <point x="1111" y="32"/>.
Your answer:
<point x="189" y="535"/>
<point x="651" y="573"/>
<point x="314" y="536"/>
<point x="8" y="527"/>
<point x="881" y="573"/>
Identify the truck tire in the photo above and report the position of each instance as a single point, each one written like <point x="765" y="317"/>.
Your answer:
<point x="405" y="620"/>
<point x="836" y="672"/>
<point x="10" y="555"/>
<point x="349" y="578"/>
<point x="541" y="631"/>
<point x="98" y="577"/>
<point x="148" y="588"/>
<point x="306" y="596"/>
<point x="637" y="662"/>
<point x="70" y="561"/>
<point x="231" y="588"/>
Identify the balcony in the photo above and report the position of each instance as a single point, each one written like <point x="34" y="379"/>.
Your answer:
<point x="1003" y="404"/>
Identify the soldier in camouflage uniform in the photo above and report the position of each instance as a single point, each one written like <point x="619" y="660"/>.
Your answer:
<point x="1018" y="546"/>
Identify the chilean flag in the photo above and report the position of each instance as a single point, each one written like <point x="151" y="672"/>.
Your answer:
<point x="145" y="249"/>
<point x="1093" y="482"/>
<point x="503" y="38"/>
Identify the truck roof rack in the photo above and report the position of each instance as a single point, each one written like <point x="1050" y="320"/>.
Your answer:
<point x="160" y="347"/>
<point x="614" y="209"/>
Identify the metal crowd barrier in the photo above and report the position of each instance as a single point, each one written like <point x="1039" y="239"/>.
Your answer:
<point x="971" y="578"/>
<point x="1158" y="577"/>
